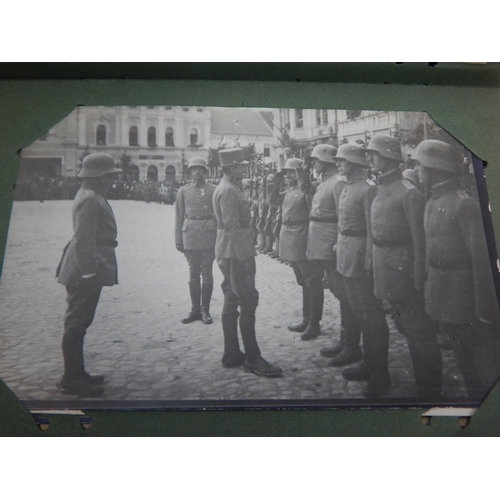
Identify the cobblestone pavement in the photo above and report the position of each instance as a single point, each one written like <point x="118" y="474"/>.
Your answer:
<point x="137" y="339"/>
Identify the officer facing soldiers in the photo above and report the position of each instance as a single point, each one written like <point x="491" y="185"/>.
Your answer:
<point x="235" y="253"/>
<point x="459" y="290"/>
<point x="88" y="263"/>
<point x="399" y="259"/>
<point x="195" y="233"/>
<point x="354" y="264"/>
<point x="321" y="240"/>
<point x="293" y="244"/>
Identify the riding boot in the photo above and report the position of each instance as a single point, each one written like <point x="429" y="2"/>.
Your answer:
<point x="313" y="329"/>
<point x="232" y="355"/>
<point x="306" y="312"/>
<point x="75" y="379"/>
<point x="195" y="293"/>
<point x="247" y="330"/>
<point x="206" y="296"/>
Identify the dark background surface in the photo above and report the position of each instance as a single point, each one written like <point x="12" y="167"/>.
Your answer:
<point x="461" y="98"/>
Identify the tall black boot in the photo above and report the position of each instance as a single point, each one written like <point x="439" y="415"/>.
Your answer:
<point x="316" y="294"/>
<point x="232" y="355"/>
<point x="195" y="293"/>
<point x="75" y="379"/>
<point x="350" y="337"/>
<point x="306" y="312"/>
<point x="206" y="296"/>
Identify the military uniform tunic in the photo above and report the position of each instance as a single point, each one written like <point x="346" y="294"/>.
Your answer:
<point x="398" y="238"/>
<point x="92" y="248"/>
<point x="323" y="224"/>
<point x="234" y="237"/>
<point x="295" y="220"/>
<point x="195" y="227"/>
<point x="354" y="238"/>
<point x="459" y="285"/>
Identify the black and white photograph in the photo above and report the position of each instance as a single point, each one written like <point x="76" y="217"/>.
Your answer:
<point x="216" y="257"/>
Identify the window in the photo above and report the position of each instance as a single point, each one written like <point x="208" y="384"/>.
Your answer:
<point x="193" y="137"/>
<point x="318" y="117"/>
<point x="325" y="117"/>
<point x="267" y="150"/>
<point x="100" y="136"/>
<point x="353" y="114"/>
<point x="168" y="107"/>
<point x="151" y="107"/>
<point x="151" y="137"/>
<point x="200" y="110"/>
<point x="185" y="109"/>
<point x="169" y="137"/>
<point x="133" y="136"/>
<point x="299" y="120"/>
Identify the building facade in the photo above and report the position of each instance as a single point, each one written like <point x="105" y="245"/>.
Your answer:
<point x="148" y="142"/>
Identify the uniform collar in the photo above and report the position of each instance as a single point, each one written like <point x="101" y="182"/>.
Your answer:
<point x="355" y="178"/>
<point x="327" y="175"/>
<point x="444" y="187"/>
<point x="199" y="183"/>
<point x="389" y="177"/>
<point x="93" y="186"/>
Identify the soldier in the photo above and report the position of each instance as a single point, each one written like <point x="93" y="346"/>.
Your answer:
<point x="88" y="263"/>
<point x="321" y="240"/>
<point x="293" y="243"/>
<point x="195" y="233"/>
<point x="399" y="260"/>
<point x="354" y="259"/>
<point x="459" y="290"/>
<point x="235" y="253"/>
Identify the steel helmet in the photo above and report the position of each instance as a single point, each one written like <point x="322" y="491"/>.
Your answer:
<point x="97" y="165"/>
<point x="387" y="146"/>
<point x="437" y="154"/>
<point x="230" y="157"/>
<point x="197" y="161"/>
<point x="353" y="154"/>
<point x="324" y="152"/>
<point x="293" y="164"/>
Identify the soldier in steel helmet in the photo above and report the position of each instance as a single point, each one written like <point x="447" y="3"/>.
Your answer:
<point x="195" y="233"/>
<point x="321" y="241"/>
<point x="354" y="264"/>
<point x="397" y="216"/>
<point x="459" y="289"/>
<point x="235" y="254"/>
<point x="88" y="263"/>
<point x="293" y="244"/>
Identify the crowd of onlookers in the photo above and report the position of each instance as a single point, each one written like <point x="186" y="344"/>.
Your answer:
<point x="43" y="187"/>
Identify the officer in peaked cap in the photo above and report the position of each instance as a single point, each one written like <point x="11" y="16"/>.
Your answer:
<point x="354" y="264"/>
<point x="399" y="259"/>
<point x="88" y="263"/>
<point x="195" y="232"/>
<point x="459" y="289"/>
<point x="321" y="240"/>
<point x="293" y="244"/>
<point x="235" y="254"/>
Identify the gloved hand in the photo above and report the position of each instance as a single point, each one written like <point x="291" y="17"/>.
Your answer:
<point x="179" y="247"/>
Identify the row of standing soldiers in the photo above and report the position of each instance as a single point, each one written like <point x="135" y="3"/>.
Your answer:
<point x="382" y="242"/>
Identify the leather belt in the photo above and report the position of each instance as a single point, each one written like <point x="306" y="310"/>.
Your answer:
<point x="348" y="232"/>
<point x="295" y="223"/>
<point x="200" y="217"/>
<point x="390" y="244"/>
<point x="324" y="219"/>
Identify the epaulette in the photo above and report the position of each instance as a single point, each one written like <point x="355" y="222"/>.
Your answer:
<point x="370" y="182"/>
<point x="408" y="184"/>
<point x="89" y="192"/>
<point x="462" y="194"/>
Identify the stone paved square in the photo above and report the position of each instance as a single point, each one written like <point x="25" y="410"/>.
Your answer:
<point x="137" y="340"/>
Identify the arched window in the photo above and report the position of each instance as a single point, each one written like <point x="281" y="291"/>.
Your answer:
<point x="170" y="173"/>
<point x="133" y="136"/>
<point x="100" y="136"/>
<point x="193" y="137"/>
<point x="151" y="137"/>
<point x="152" y="173"/>
<point x="169" y="137"/>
